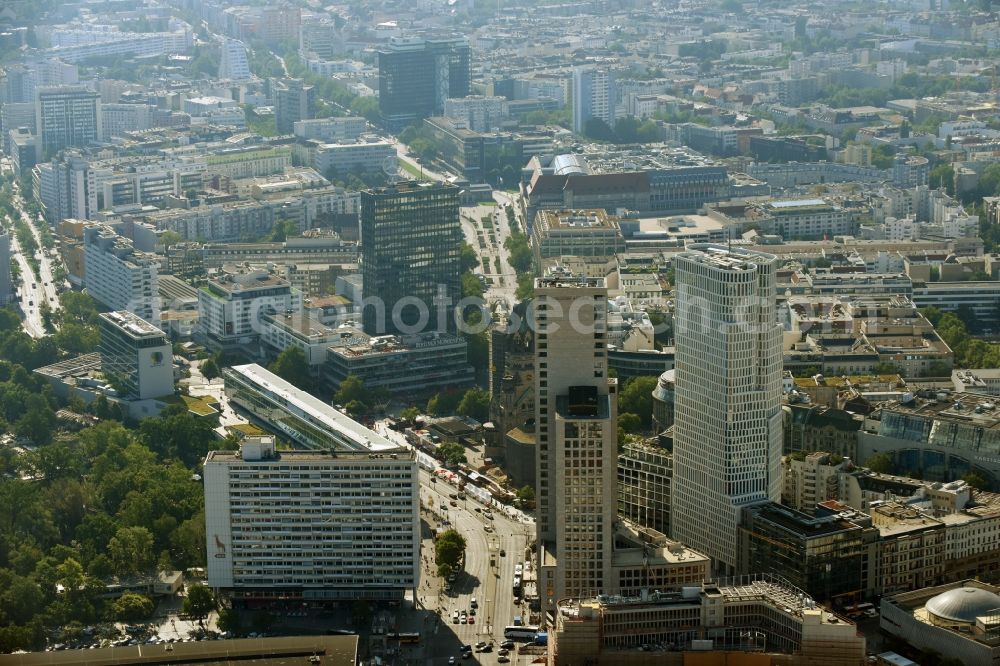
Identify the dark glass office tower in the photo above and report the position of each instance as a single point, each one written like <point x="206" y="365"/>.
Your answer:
<point x="416" y="76"/>
<point x="410" y="242"/>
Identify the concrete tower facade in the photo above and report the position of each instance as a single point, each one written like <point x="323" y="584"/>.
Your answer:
<point x="576" y="415"/>
<point x="727" y="427"/>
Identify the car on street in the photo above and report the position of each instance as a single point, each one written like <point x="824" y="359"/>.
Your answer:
<point x="473" y="603"/>
<point x="465" y="617"/>
<point x="451" y="660"/>
<point x="455" y="617"/>
<point x="481" y="644"/>
<point x="507" y="645"/>
<point x="472" y="619"/>
<point x="503" y="652"/>
<point x="503" y="552"/>
<point x="503" y="659"/>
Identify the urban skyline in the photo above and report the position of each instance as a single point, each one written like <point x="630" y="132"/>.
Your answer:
<point x="581" y="333"/>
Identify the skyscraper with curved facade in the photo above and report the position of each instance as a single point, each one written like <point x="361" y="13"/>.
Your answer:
<point x="727" y="410"/>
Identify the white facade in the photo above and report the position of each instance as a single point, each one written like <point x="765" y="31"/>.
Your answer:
<point x="136" y="355"/>
<point x="231" y="309"/>
<point x="81" y="46"/>
<point x="334" y="130"/>
<point x="234" y="65"/>
<point x="593" y="97"/>
<point x="728" y="420"/>
<point x="346" y="158"/>
<point x="66" y="116"/>
<point x="67" y="189"/>
<point x="118" y="276"/>
<point x="312" y="525"/>
<point x="576" y="412"/>
<point x="477" y="113"/>
<point x="117" y="119"/>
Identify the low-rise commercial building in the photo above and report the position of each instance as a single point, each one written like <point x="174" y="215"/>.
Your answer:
<point x="644" y="475"/>
<point x="942" y="434"/>
<point x="759" y="614"/>
<point x="961" y="620"/>
<point x="587" y="233"/>
<point x="402" y="364"/>
<point x="833" y="558"/>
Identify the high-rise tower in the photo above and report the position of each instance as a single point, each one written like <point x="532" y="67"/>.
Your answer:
<point x="576" y="414"/>
<point x="411" y="238"/>
<point x="66" y="116"/>
<point x="417" y="75"/>
<point x="593" y="97"/>
<point x="727" y="411"/>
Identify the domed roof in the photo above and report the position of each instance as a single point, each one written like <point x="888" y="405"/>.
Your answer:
<point x="963" y="604"/>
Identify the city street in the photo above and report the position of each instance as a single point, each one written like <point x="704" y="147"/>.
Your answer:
<point x="487" y="575"/>
<point x="33" y="290"/>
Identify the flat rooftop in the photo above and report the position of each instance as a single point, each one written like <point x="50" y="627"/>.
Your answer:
<point x="797" y="203"/>
<point x="347" y="433"/>
<point x="720" y="256"/>
<point x="279" y="651"/>
<point x="132" y="324"/>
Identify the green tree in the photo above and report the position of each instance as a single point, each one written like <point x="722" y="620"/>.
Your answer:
<point x="352" y="388"/>
<point x="444" y="403"/>
<point x="132" y="607"/>
<point x="292" y="366"/>
<point x="976" y="480"/>
<point x="943" y="175"/>
<point x="468" y="257"/>
<point x="471" y="286"/>
<point x="409" y="414"/>
<point x="449" y="549"/>
<point x="520" y="251"/>
<point x="199" y="601"/>
<point x="366" y="107"/>
<point x="629" y="422"/>
<point x="74" y="338"/>
<point x="453" y="454"/>
<point x="131" y="550"/>
<point x="282" y="229"/>
<point x="880" y="463"/>
<point x="38" y="421"/>
<point x="526" y="494"/>
<point x="475" y="404"/>
<point x="525" y="287"/>
<point x="210" y="369"/>
<point x="170" y="237"/>
<point x="75" y="306"/>
<point x="229" y="621"/>
<point x="356" y="408"/>
<point x="637" y="398"/>
<point x="21" y="600"/>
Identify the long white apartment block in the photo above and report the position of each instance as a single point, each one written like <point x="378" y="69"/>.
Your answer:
<point x="320" y="524"/>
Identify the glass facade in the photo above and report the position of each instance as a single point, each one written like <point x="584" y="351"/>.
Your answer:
<point x="410" y="241"/>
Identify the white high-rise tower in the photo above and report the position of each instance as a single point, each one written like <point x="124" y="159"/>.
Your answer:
<point x="234" y="65"/>
<point x="727" y="409"/>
